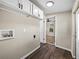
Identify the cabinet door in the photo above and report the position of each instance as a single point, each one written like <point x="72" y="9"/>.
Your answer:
<point x="26" y="6"/>
<point x="23" y="5"/>
<point x="13" y="3"/>
<point x="29" y="7"/>
<point x="35" y="10"/>
<point x="40" y="14"/>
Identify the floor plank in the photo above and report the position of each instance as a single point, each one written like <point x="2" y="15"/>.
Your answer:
<point x="47" y="51"/>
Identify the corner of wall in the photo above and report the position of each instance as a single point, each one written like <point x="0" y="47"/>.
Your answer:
<point x="63" y="48"/>
<point x="30" y="52"/>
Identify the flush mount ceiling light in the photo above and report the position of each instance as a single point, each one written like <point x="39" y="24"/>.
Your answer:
<point x="49" y="3"/>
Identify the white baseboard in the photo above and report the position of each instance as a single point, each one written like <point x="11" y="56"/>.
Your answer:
<point x="63" y="48"/>
<point x="74" y="57"/>
<point x="66" y="49"/>
<point x="30" y="53"/>
<point x="39" y="47"/>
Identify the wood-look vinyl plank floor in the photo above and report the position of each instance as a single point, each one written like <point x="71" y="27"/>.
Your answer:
<point x="48" y="51"/>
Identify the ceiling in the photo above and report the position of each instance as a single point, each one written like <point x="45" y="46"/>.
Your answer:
<point x="59" y="5"/>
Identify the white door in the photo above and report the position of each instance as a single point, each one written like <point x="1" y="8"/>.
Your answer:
<point x="77" y="34"/>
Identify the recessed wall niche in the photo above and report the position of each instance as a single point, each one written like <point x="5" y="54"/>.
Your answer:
<point x="7" y="34"/>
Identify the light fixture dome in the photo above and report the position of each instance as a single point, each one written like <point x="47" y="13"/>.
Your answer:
<point x="49" y="3"/>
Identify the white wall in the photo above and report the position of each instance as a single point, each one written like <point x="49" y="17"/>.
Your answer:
<point x="44" y="30"/>
<point x="63" y="29"/>
<point x="41" y="31"/>
<point x="24" y="42"/>
<point x="73" y="47"/>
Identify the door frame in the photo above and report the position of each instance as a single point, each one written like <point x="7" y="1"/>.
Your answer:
<point x="54" y="28"/>
<point x="77" y="26"/>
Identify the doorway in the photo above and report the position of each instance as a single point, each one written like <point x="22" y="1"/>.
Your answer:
<point x="50" y="30"/>
<point x="77" y="34"/>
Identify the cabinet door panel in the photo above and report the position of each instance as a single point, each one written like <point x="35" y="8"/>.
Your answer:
<point x="40" y="14"/>
<point x="35" y="10"/>
<point x="27" y="6"/>
<point x="29" y="9"/>
<point x="24" y="3"/>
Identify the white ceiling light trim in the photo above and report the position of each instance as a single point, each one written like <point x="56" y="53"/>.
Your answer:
<point x="49" y="3"/>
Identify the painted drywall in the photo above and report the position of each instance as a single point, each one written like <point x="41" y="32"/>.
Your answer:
<point x="44" y="29"/>
<point x="25" y="27"/>
<point x="63" y="29"/>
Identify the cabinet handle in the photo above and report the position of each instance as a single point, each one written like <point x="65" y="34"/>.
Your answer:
<point x="39" y="15"/>
<point x="19" y="5"/>
<point x="32" y="8"/>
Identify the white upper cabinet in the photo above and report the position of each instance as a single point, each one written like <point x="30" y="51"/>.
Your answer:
<point x="29" y="7"/>
<point x="35" y="10"/>
<point x="40" y="14"/>
<point x="23" y="6"/>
